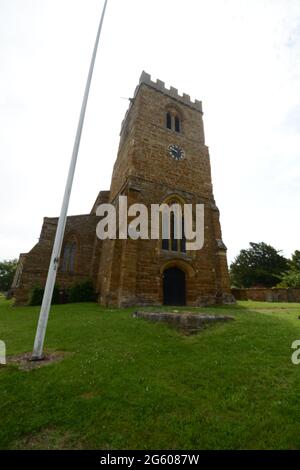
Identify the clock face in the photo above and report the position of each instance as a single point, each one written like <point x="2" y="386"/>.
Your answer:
<point x="176" y="152"/>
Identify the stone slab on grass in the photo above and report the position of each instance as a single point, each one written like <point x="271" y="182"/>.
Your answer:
<point x="187" y="322"/>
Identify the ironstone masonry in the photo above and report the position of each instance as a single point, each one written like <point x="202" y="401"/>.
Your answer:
<point x="144" y="272"/>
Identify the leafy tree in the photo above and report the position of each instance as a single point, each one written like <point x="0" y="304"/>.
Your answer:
<point x="261" y="265"/>
<point x="7" y="272"/>
<point x="294" y="263"/>
<point x="290" y="279"/>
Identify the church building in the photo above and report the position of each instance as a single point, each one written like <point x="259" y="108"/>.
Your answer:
<point x="162" y="158"/>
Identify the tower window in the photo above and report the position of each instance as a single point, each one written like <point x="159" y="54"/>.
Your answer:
<point x="165" y="244"/>
<point x="174" y="244"/>
<point x="169" y="121"/>
<point x="173" y="121"/>
<point x="177" y="124"/>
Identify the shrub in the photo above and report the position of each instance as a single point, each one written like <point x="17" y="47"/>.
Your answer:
<point x="82" y="292"/>
<point x="37" y="293"/>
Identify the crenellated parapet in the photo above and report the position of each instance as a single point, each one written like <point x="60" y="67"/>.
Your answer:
<point x="159" y="85"/>
<point x="172" y="92"/>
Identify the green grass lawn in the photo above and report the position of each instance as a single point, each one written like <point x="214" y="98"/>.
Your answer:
<point x="131" y="384"/>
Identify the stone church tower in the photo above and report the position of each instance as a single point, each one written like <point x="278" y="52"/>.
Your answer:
<point x="162" y="157"/>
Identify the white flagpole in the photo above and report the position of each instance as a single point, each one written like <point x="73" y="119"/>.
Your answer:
<point x="46" y="303"/>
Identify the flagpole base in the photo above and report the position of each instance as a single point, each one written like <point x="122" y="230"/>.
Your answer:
<point x="37" y="358"/>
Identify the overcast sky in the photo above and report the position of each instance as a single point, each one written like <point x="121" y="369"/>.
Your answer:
<point x="240" y="57"/>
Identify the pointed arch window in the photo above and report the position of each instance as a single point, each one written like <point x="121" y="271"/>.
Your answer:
<point x="69" y="254"/>
<point x="174" y="244"/>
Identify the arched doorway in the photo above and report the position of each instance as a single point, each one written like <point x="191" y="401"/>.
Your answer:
<point x="174" y="286"/>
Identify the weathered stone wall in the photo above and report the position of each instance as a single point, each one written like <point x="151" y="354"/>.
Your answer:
<point x="131" y="272"/>
<point x="267" y="294"/>
<point x="144" y="142"/>
<point x="36" y="262"/>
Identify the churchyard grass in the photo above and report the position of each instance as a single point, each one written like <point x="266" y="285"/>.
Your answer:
<point x="131" y="384"/>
